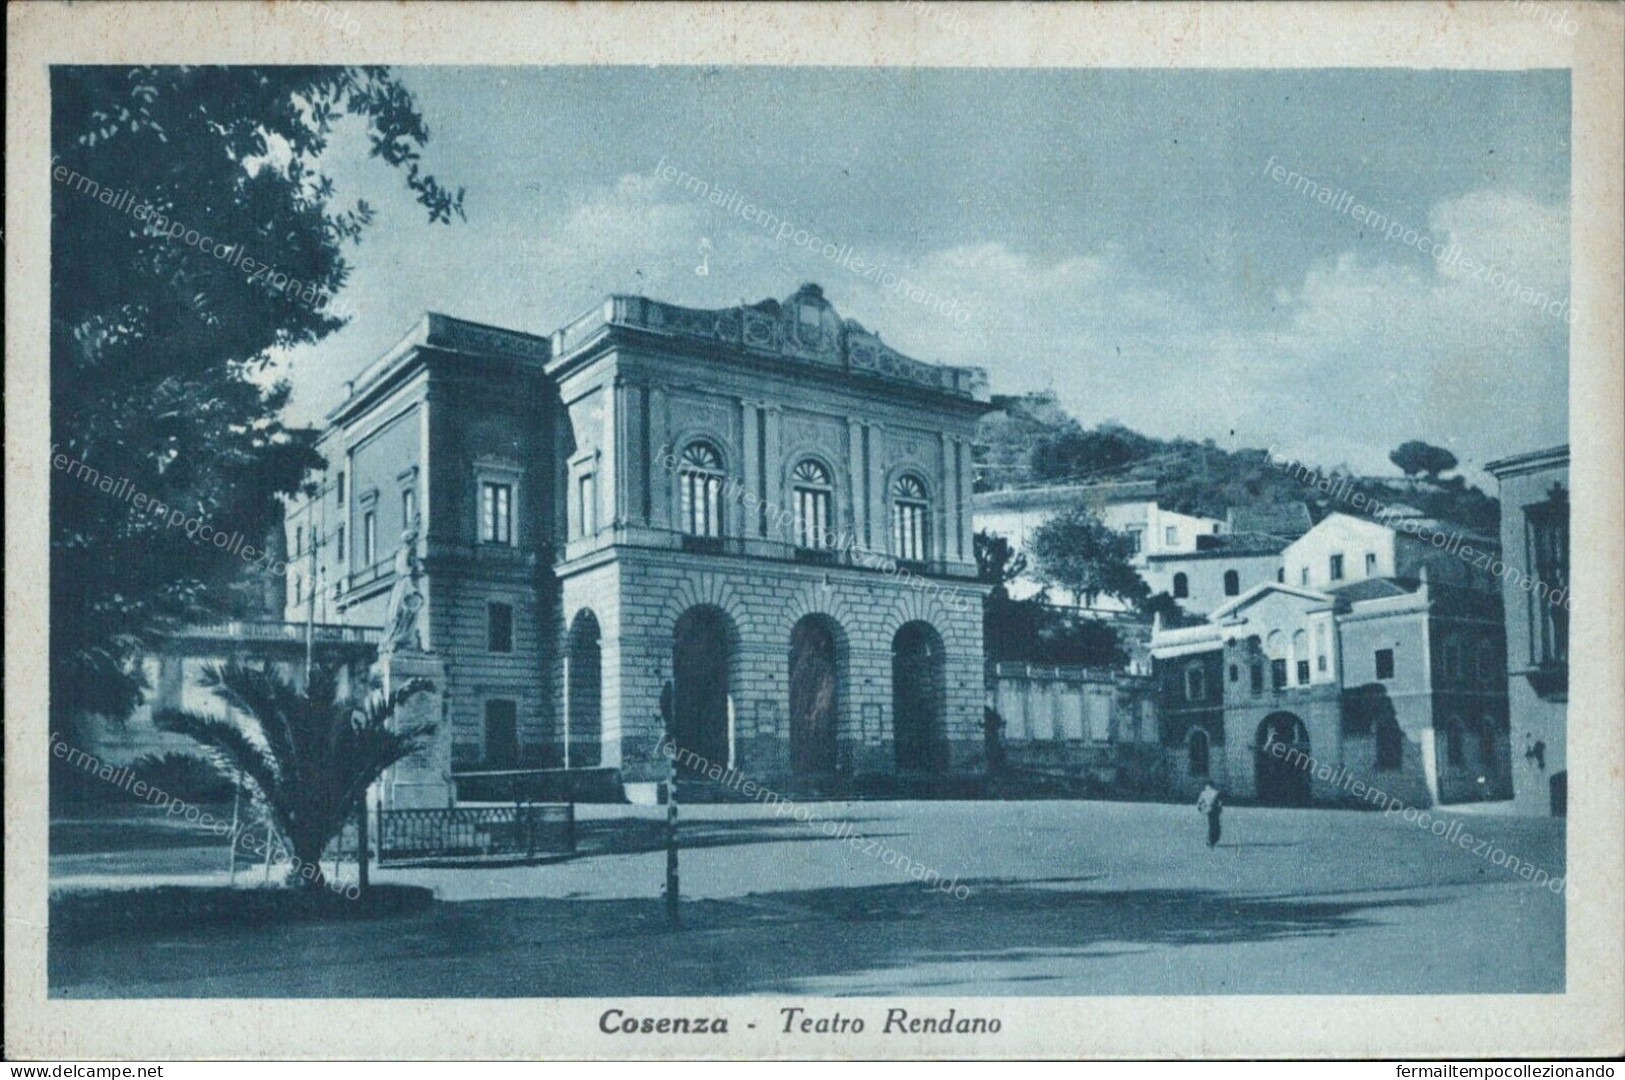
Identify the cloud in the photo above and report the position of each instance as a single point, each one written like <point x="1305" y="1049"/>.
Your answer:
<point x="1374" y="345"/>
<point x="1363" y="348"/>
<point x="1398" y="348"/>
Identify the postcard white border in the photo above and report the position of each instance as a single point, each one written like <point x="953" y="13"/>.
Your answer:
<point x="1586" y="1020"/>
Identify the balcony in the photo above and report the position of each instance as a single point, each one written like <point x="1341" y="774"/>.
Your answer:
<point x="765" y="549"/>
<point x="379" y="570"/>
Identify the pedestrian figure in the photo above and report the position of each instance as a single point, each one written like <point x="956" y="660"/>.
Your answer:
<point x="1212" y="804"/>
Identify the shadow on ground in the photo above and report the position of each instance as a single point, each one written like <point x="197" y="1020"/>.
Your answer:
<point x="1003" y="937"/>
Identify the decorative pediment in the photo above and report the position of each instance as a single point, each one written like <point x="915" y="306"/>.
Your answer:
<point x="1235" y="610"/>
<point x="803" y="327"/>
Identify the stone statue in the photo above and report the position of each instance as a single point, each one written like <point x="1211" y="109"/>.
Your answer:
<point x="405" y="599"/>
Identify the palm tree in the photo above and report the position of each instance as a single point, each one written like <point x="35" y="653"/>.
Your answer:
<point x="308" y="754"/>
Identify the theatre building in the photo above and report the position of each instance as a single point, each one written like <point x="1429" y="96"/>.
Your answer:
<point x="747" y="528"/>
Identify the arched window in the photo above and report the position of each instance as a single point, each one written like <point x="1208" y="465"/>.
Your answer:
<point x="911" y="530"/>
<point x="1232" y="583"/>
<point x="699" y="475"/>
<point x="1486" y="742"/>
<point x="1195" y="682"/>
<point x="1275" y="649"/>
<point x="811" y="487"/>
<point x="1198" y="751"/>
<point x="1182" y="586"/>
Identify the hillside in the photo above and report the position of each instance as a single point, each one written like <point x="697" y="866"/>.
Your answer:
<point x="1031" y="440"/>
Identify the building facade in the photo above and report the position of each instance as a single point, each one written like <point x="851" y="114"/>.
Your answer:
<point x="1382" y="687"/>
<point x="1535" y="591"/>
<point x="748" y="530"/>
<point x="1225" y="563"/>
<point x="1343" y="549"/>
<point x="1223" y="567"/>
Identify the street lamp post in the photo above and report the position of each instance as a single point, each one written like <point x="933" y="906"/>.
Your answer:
<point x="673" y="892"/>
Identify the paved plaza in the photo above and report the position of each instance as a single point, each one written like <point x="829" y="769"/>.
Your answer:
<point x="1063" y="898"/>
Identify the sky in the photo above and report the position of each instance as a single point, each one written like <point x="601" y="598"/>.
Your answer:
<point x="1121" y="237"/>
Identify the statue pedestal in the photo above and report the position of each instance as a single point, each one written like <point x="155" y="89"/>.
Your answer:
<point x="423" y="780"/>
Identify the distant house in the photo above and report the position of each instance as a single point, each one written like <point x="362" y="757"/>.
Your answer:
<point x="1343" y="549"/>
<point x="1535" y="591"/>
<point x="1223" y="565"/>
<point x="1128" y="507"/>
<point x="1370" y="674"/>
<point x="1221" y="568"/>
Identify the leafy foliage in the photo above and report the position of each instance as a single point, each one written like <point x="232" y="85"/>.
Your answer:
<point x="202" y="777"/>
<point x="1416" y="457"/>
<point x="307" y="754"/>
<point x="1172" y="613"/>
<point x="1075" y="550"/>
<point x="997" y="560"/>
<point x="159" y="346"/>
<point x="1031" y="630"/>
<point x="1076" y="454"/>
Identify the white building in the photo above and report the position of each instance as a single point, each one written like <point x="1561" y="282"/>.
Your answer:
<point x="1343" y="549"/>
<point x="1129" y="508"/>
<point x="1225" y="567"/>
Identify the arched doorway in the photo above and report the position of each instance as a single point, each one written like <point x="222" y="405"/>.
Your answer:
<point x="1198" y="754"/>
<point x="919" y="692"/>
<point x="584" y="693"/>
<point x="814" y="696"/>
<point x="1282" y="761"/>
<point x="702" y="650"/>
